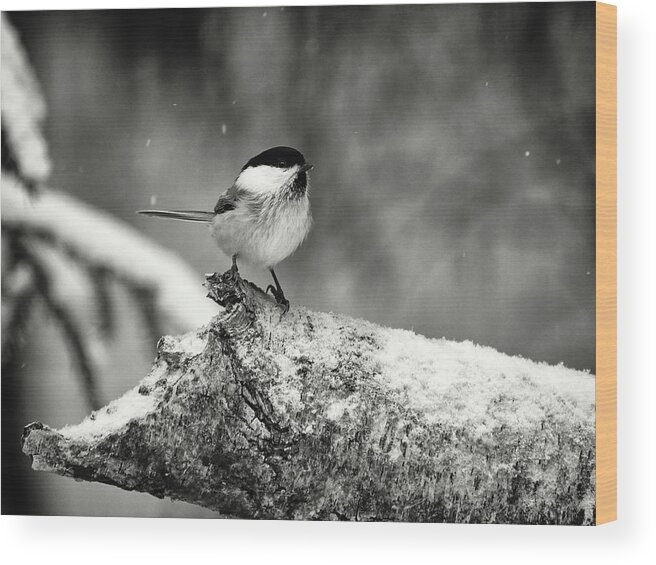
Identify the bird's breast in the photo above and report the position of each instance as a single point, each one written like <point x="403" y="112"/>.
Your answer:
<point x="263" y="231"/>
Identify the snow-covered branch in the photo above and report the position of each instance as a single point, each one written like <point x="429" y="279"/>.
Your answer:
<point x="24" y="151"/>
<point x="107" y="245"/>
<point x="67" y="254"/>
<point x="320" y="416"/>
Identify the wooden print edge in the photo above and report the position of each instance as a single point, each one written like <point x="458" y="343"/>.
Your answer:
<point x="606" y="257"/>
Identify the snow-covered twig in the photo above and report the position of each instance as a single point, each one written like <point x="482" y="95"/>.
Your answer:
<point x="319" y="416"/>
<point x="71" y="252"/>
<point x="24" y="151"/>
<point x="105" y="244"/>
<point x="45" y="288"/>
<point x="18" y="296"/>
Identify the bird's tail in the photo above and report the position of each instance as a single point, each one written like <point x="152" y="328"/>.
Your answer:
<point x="184" y="215"/>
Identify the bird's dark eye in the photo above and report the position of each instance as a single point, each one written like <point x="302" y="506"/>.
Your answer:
<point x="282" y="164"/>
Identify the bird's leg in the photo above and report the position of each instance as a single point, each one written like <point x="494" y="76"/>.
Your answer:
<point x="234" y="270"/>
<point x="278" y="294"/>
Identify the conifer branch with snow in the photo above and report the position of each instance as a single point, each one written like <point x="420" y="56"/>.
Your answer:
<point x="64" y="255"/>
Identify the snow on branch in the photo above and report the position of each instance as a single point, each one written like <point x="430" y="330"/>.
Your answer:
<point x="67" y="255"/>
<point x="108" y="245"/>
<point x="24" y="151"/>
<point x="319" y="416"/>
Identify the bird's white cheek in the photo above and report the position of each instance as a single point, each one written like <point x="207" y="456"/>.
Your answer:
<point x="262" y="179"/>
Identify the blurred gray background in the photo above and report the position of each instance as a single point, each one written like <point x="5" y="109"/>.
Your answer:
<point x="453" y="191"/>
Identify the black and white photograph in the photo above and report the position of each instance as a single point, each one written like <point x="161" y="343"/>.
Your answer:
<point x="330" y="263"/>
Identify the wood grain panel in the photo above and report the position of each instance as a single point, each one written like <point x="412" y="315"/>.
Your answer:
<point x="606" y="228"/>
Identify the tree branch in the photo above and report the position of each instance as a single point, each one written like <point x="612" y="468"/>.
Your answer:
<point x="24" y="150"/>
<point x="319" y="416"/>
<point x="97" y="241"/>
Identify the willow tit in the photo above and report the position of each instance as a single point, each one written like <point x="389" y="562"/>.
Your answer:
<point x="263" y="217"/>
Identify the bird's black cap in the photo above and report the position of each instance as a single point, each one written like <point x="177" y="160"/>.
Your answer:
<point x="281" y="157"/>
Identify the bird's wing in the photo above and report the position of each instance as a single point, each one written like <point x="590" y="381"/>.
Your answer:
<point x="227" y="201"/>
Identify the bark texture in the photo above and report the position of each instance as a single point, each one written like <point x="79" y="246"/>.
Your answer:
<point x="319" y="416"/>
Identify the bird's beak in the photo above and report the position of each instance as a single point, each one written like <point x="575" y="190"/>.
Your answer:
<point x="305" y="168"/>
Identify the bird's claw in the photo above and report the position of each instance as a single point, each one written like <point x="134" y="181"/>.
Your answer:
<point x="281" y="301"/>
<point x="233" y="274"/>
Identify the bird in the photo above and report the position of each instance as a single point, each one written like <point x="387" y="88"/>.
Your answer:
<point x="263" y="217"/>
